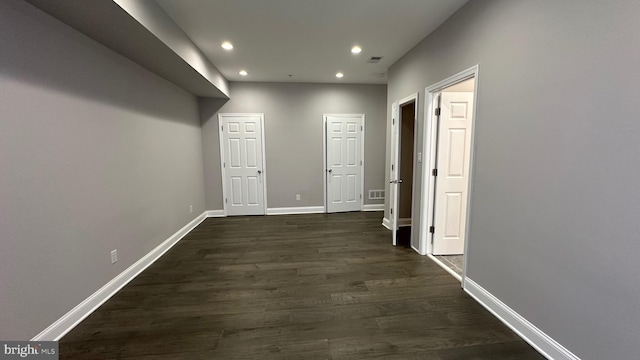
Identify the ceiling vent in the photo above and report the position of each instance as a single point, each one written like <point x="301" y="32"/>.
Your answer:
<point x="374" y="59"/>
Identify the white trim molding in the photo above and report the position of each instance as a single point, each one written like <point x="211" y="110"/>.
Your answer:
<point x="417" y="250"/>
<point x="296" y="210"/>
<point x="542" y="342"/>
<point x="68" y="321"/>
<point x="373" y="207"/>
<point x="386" y="223"/>
<point x="215" y="213"/>
<point x="402" y="222"/>
<point x="444" y="266"/>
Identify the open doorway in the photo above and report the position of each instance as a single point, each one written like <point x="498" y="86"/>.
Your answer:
<point x="405" y="166"/>
<point x="404" y="130"/>
<point x="449" y="143"/>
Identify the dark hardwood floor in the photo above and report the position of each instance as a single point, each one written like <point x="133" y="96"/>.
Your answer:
<point x="293" y="287"/>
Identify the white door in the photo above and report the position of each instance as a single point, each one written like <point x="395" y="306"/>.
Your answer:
<point x="344" y="162"/>
<point x="452" y="180"/>
<point x="394" y="178"/>
<point x="241" y="147"/>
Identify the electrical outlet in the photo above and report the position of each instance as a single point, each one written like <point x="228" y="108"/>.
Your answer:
<point x="191" y="209"/>
<point x="297" y="197"/>
<point x="114" y="256"/>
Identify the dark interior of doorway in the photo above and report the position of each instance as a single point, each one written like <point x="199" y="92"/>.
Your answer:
<point x="405" y="165"/>
<point x="403" y="237"/>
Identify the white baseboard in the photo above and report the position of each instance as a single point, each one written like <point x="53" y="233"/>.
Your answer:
<point x="444" y="266"/>
<point x="373" y="207"/>
<point x="417" y="250"/>
<point x="69" y="320"/>
<point x="542" y="342"/>
<point x="401" y="222"/>
<point x="214" y="213"/>
<point x="296" y="210"/>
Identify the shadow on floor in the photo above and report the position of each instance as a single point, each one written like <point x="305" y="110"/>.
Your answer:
<point x="404" y="237"/>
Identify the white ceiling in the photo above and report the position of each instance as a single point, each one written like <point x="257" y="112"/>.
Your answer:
<point x="309" y="39"/>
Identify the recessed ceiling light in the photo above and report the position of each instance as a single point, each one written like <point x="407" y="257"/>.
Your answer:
<point x="356" y="50"/>
<point x="243" y="73"/>
<point x="339" y="75"/>
<point x="227" y="45"/>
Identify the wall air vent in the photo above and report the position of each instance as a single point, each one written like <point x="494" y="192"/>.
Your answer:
<point x="374" y="59"/>
<point x="376" y="194"/>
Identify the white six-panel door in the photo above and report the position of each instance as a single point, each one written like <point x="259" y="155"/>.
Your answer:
<point x="344" y="162"/>
<point x="241" y="145"/>
<point x="453" y="158"/>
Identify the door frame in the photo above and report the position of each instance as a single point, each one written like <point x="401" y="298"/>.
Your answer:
<point x="392" y="222"/>
<point x="222" y="167"/>
<point x="429" y="149"/>
<point x="324" y="156"/>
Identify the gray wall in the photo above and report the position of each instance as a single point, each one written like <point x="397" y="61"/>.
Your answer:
<point x="293" y="136"/>
<point x="555" y="202"/>
<point x="96" y="153"/>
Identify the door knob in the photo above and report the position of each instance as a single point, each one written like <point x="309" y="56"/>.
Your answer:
<point x="330" y="170"/>
<point x="399" y="181"/>
<point x="259" y="171"/>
